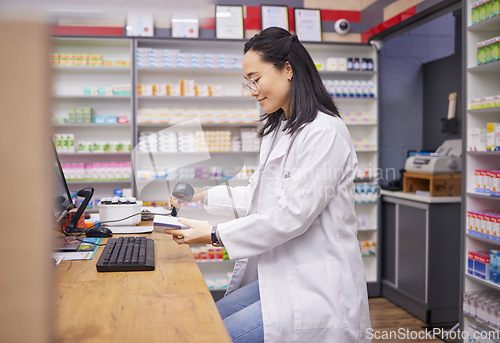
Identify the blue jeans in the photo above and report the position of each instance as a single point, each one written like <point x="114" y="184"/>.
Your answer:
<point x="242" y="314"/>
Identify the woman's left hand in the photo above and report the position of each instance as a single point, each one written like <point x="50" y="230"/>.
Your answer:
<point x="199" y="232"/>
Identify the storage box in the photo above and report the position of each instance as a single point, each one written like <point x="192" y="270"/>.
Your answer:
<point x="436" y="184"/>
<point x="119" y="211"/>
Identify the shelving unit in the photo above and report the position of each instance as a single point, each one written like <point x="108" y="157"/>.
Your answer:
<point x="68" y="89"/>
<point x="480" y="81"/>
<point x="367" y="157"/>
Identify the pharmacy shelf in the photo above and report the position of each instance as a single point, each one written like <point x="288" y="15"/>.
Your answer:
<point x="194" y="153"/>
<point x="481" y="322"/>
<point x="484" y="110"/>
<point x="93" y="97"/>
<point x="483" y="196"/>
<point x="482" y="239"/>
<point x="492" y="24"/>
<point x="91" y="126"/>
<point x="327" y="73"/>
<point x="87" y="69"/>
<point x="87" y="154"/>
<point x="196" y="124"/>
<point x="479" y="81"/>
<point x="483" y="153"/>
<point x="81" y="182"/>
<point x="361" y="124"/>
<point x="209" y="71"/>
<point x="196" y="98"/>
<point x="362" y="100"/>
<point x="488" y="67"/>
<point x="483" y="282"/>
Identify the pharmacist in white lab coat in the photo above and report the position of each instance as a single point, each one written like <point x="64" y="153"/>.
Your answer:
<point x="299" y="275"/>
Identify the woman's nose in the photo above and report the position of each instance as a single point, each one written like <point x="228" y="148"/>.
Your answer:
<point x="254" y="92"/>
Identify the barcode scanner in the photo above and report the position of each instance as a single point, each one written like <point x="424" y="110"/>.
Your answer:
<point x="183" y="192"/>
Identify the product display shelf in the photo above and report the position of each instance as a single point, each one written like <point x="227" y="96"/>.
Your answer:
<point x="327" y="73"/>
<point x="367" y="156"/>
<point x="196" y="98"/>
<point x="83" y="182"/>
<point x="91" y="126"/>
<point x="490" y="24"/>
<point x="165" y="125"/>
<point x="480" y="81"/>
<point x="482" y="239"/>
<point x="184" y="71"/>
<point x="483" y="282"/>
<point x="487" y="326"/>
<point x="492" y="66"/>
<point x="71" y="79"/>
<point x="91" y="69"/>
<point x="483" y="153"/>
<point x="484" y="196"/>
<point x="91" y="97"/>
<point x="484" y="110"/>
<point x="226" y="85"/>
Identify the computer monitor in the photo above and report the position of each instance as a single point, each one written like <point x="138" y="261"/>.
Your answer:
<point x="62" y="202"/>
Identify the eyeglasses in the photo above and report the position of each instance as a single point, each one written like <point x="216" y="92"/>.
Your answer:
<point x="251" y="85"/>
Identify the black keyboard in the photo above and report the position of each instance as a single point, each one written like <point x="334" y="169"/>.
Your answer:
<point x="126" y="254"/>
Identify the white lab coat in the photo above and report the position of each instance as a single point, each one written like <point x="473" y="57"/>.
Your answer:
<point x="301" y="244"/>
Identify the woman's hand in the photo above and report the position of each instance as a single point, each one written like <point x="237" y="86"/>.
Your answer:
<point x="198" y="233"/>
<point x="199" y="195"/>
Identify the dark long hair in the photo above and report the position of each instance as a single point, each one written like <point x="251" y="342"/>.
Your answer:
<point x="308" y="94"/>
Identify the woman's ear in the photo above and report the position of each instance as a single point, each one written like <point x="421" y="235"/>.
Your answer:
<point x="288" y="71"/>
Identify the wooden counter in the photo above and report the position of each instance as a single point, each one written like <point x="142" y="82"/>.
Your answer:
<point x="170" y="304"/>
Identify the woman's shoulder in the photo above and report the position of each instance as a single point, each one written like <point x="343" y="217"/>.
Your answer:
<point x="324" y="122"/>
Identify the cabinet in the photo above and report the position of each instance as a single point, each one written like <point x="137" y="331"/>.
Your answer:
<point x="421" y="241"/>
<point x="92" y="112"/>
<point x="480" y="207"/>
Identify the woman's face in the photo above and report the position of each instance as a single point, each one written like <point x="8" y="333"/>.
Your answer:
<point x="274" y="84"/>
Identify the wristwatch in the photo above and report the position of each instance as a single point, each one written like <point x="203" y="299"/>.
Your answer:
<point x="215" y="238"/>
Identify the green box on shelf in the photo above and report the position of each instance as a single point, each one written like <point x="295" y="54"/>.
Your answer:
<point x="495" y="8"/>
<point x="480" y="53"/>
<point x="494" y="49"/>
<point x="482" y="11"/>
<point x="487" y="10"/>
<point x="72" y="115"/>
<point x="475" y="12"/>
<point x="487" y="51"/>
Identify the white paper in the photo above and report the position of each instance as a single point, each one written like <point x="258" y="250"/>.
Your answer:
<point x="274" y="16"/>
<point x="131" y="229"/>
<point x="162" y="222"/>
<point x="229" y="22"/>
<point x="308" y="25"/>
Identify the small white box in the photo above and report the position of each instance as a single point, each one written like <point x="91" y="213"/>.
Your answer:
<point x="119" y="211"/>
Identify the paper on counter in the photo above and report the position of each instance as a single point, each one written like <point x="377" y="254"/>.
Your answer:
<point x="130" y="229"/>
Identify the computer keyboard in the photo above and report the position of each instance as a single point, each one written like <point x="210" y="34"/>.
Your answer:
<point x="126" y="254"/>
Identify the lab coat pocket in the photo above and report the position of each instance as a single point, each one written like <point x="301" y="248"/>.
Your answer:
<point x="317" y="298"/>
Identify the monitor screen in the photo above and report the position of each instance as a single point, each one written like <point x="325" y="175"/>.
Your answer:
<point x="62" y="198"/>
